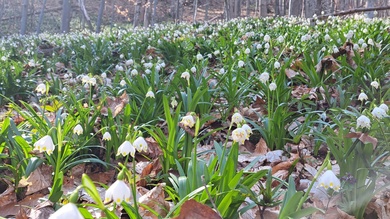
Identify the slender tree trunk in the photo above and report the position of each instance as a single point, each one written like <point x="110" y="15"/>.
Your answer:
<point x="295" y="8"/>
<point x="155" y="2"/>
<point x="263" y="8"/>
<point x="226" y="9"/>
<point x="206" y="13"/>
<point x="237" y="8"/>
<point x="195" y="10"/>
<point x="370" y="4"/>
<point x="65" y="20"/>
<point x="276" y="8"/>
<point x="137" y="13"/>
<point x="146" y="14"/>
<point x="40" y="20"/>
<point x="310" y="7"/>
<point x="247" y="8"/>
<point x="100" y="16"/>
<point x="23" y="20"/>
<point x="85" y="14"/>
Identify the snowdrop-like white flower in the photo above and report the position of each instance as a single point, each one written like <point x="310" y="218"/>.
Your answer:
<point x="173" y="102"/>
<point x="280" y="39"/>
<point x="150" y="94"/>
<point x="126" y="148"/>
<point x="106" y="136"/>
<point x="370" y="42"/>
<point x="239" y="135"/>
<point x="83" y="46"/>
<point x="335" y="49"/>
<point x="361" y="41"/>
<point x="247" y="51"/>
<point x="277" y="65"/>
<point x="362" y="97"/>
<point x="266" y="45"/>
<point x="329" y="180"/>
<point x="349" y="35"/>
<point x="140" y="144"/>
<point x="134" y="72"/>
<point x="364" y="45"/>
<point x="193" y="69"/>
<point x="237" y="118"/>
<point x="384" y="107"/>
<point x="118" y="192"/>
<point x="45" y="144"/>
<point x="41" y="88"/>
<point x="188" y="121"/>
<point x="216" y="52"/>
<point x="185" y="75"/>
<point x="259" y="46"/>
<point x="375" y="84"/>
<point x="222" y="71"/>
<point x="119" y="68"/>
<point x="241" y="64"/>
<point x="129" y="62"/>
<point x="363" y="122"/>
<point x="67" y="211"/>
<point x="148" y="71"/>
<point x="247" y="129"/>
<point x="104" y="75"/>
<point x="267" y="38"/>
<point x="264" y="77"/>
<point x="199" y="57"/>
<point x="121" y="56"/>
<point x="272" y="86"/>
<point x="122" y="83"/>
<point x="78" y="130"/>
<point x="378" y="113"/>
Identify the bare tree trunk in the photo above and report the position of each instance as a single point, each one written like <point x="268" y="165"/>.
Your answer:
<point x="226" y="9"/>
<point x="206" y="13"/>
<point x="295" y="8"/>
<point x="237" y="8"/>
<point x="138" y="5"/>
<point x="146" y="13"/>
<point x="195" y="10"/>
<point x="41" y="17"/>
<point x="276" y="7"/>
<point x="247" y="8"/>
<point x="85" y="14"/>
<point x="310" y="7"/>
<point x="65" y="20"/>
<point x="100" y="16"/>
<point x="23" y="20"/>
<point x="155" y="2"/>
<point x="263" y="8"/>
<point x="370" y="4"/>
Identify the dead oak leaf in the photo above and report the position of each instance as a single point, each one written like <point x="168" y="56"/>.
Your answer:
<point x="154" y="199"/>
<point x="192" y="209"/>
<point x="363" y="137"/>
<point x="115" y="105"/>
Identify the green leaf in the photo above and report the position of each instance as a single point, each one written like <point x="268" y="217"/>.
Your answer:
<point x="90" y="188"/>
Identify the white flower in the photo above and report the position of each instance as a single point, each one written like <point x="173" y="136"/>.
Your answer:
<point x="106" y="136"/>
<point x="185" y="75"/>
<point x="247" y="51"/>
<point x="272" y="86"/>
<point x="329" y="180"/>
<point x="264" y="77"/>
<point x="239" y="135"/>
<point x="216" y="52"/>
<point x="150" y="94"/>
<point x="363" y="122"/>
<point x="125" y="148"/>
<point x="222" y="71"/>
<point x="247" y="129"/>
<point x="361" y="41"/>
<point x="119" y="68"/>
<point x="193" y="69"/>
<point x="378" y="113"/>
<point x="78" y="130"/>
<point x="267" y="38"/>
<point x="364" y="45"/>
<point x="280" y="39"/>
<point x="188" y="121"/>
<point x="349" y="35"/>
<point x="266" y="45"/>
<point x="129" y="62"/>
<point x="67" y="211"/>
<point x="375" y="84"/>
<point x="259" y="46"/>
<point x="277" y="65"/>
<point x="199" y="57"/>
<point x="86" y="80"/>
<point x="41" y="88"/>
<point x="335" y="49"/>
<point x="148" y="65"/>
<point x="134" y="72"/>
<point x="118" y="192"/>
<point x="362" y="97"/>
<point x="121" y="56"/>
<point x="241" y="64"/>
<point x="140" y="144"/>
<point x="237" y="118"/>
<point x="384" y="107"/>
<point x="148" y="71"/>
<point x="122" y="83"/>
<point x="45" y="144"/>
<point x="173" y="102"/>
<point x="327" y="37"/>
<point x="104" y="75"/>
<point x="370" y="42"/>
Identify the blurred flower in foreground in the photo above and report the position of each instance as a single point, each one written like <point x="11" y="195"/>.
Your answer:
<point x="329" y="180"/>
<point x="375" y="84"/>
<point x="363" y="122"/>
<point x="237" y="118"/>
<point x="118" y="192"/>
<point x="264" y="77"/>
<point x="247" y="129"/>
<point x="272" y="86"/>
<point x="384" y="107"/>
<point x="378" y="113"/>
<point x="239" y="135"/>
<point x="45" y="144"/>
<point x="67" y="211"/>
<point x="150" y="94"/>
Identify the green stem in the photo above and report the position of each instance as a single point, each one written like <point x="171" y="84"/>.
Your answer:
<point x="134" y="188"/>
<point x="139" y="113"/>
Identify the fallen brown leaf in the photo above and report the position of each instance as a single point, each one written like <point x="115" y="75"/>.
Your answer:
<point x="291" y="73"/>
<point x="261" y="147"/>
<point x="7" y="194"/>
<point x="154" y="199"/>
<point x="363" y="137"/>
<point x="38" y="180"/>
<point x="328" y="62"/>
<point x="115" y="104"/>
<point x="192" y="209"/>
<point x="152" y="169"/>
